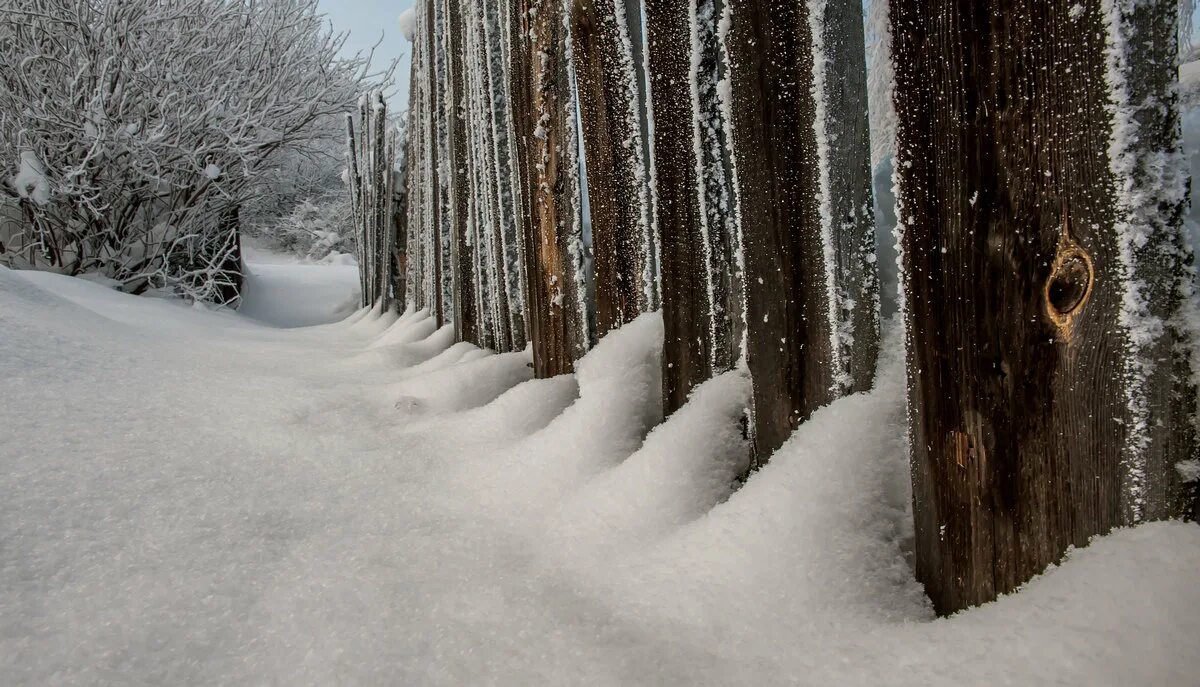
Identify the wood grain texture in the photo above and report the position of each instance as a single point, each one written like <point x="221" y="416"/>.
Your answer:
<point x="403" y="209"/>
<point x="775" y="149"/>
<point x="1013" y="288"/>
<point x="512" y="288"/>
<point x="687" y="342"/>
<point x="434" y="256"/>
<point x="610" y="113"/>
<point x="416" y="176"/>
<point x="542" y="105"/>
<point x="852" y="233"/>
<point x="463" y="259"/>
<point x="487" y="192"/>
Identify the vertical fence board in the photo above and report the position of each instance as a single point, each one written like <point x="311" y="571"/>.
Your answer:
<point x="1023" y="407"/>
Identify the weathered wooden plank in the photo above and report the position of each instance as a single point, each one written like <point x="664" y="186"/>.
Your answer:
<point x="1034" y="424"/>
<point x="775" y="148"/>
<point x="463" y="249"/>
<point x="687" y="336"/>
<point x="618" y="193"/>
<point x="433" y="241"/>
<point x="844" y="152"/>
<point x="543" y="108"/>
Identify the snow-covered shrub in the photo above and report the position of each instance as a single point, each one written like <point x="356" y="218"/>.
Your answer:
<point x="133" y="133"/>
<point x="302" y="204"/>
<point x="298" y="175"/>
<point x="314" y="229"/>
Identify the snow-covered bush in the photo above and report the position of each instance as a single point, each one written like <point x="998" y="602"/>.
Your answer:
<point x="298" y="175"/>
<point x="314" y="229"/>
<point x="133" y="133"/>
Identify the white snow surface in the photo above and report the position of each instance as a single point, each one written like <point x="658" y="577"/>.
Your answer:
<point x="283" y="291"/>
<point x="191" y="496"/>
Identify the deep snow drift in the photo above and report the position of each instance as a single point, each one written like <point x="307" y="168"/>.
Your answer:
<point x="193" y="497"/>
<point x="284" y="291"/>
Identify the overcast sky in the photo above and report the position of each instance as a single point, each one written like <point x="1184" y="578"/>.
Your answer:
<point x="366" y="21"/>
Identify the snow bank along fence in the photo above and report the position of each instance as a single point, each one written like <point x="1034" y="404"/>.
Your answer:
<point x="555" y="192"/>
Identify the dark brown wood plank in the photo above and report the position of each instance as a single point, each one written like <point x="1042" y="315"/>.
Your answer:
<point x="463" y="254"/>
<point x="775" y="149"/>
<point x="1013" y="282"/>
<point x="542" y="109"/>
<point x="610" y="112"/>
<point x="687" y="336"/>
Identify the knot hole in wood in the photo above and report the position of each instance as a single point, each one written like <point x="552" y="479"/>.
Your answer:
<point x="1070" y="283"/>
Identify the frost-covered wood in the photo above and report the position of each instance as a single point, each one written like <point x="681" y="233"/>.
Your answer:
<point x="544" y="112"/>
<point x="419" y="178"/>
<point x="847" y="215"/>
<point x="400" y="212"/>
<point x="354" y="187"/>
<point x="513" y="287"/>
<point x="1048" y="287"/>
<point x="618" y="189"/>
<point x="720" y="233"/>
<point x="444" y="236"/>
<point x="371" y="180"/>
<point x="430" y="243"/>
<point x="492" y="308"/>
<point x="638" y="41"/>
<point x="805" y="227"/>
<point x="494" y="211"/>
<point x="440" y="238"/>
<point x="469" y="228"/>
<point x="463" y="254"/>
<point x="686" y="276"/>
<point x="415" y="172"/>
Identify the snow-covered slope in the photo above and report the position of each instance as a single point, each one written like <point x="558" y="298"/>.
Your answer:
<point x="190" y="497"/>
<point x="283" y="291"/>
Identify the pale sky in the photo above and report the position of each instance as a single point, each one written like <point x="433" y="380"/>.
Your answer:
<point x="366" y="20"/>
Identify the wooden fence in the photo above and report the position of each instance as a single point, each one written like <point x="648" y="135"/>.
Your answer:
<point x="1045" y="283"/>
<point x="372" y="180"/>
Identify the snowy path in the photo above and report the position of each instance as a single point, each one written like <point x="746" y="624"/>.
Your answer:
<point x="194" y="497"/>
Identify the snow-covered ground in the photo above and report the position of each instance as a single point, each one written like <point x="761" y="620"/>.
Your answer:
<point x="190" y="496"/>
<point x="283" y="291"/>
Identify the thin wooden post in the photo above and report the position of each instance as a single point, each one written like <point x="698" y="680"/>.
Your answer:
<point x="463" y="253"/>
<point x="685" y="307"/>
<point x="618" y="190"/>
<point x="557" y="312"/>
<point x="354" y="184"/>
<point x="808" y="265"/>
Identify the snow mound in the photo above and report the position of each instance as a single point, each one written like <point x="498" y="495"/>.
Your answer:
<point x="408" y="24"/>
<point x="619" y="402"/>
<point x="299" y="295"/>
<point x="191" y="497"/>
<point x="464" y="385"/>
<point x="30" y="181"/>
